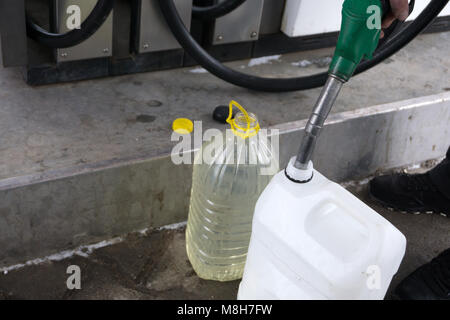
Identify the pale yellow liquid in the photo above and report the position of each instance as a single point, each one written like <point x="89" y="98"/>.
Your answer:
<point x="223" y="199"/>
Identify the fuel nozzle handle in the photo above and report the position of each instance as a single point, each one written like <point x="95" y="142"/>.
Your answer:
<point x="359" y="35"/>
<point x="358" y="39"/>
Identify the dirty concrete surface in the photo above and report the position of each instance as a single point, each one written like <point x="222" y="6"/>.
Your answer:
<point x="64" y="125"/>
<point x="155" y="265"/>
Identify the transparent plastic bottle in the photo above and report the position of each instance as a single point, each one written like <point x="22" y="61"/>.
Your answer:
<point x="223" y="197"/>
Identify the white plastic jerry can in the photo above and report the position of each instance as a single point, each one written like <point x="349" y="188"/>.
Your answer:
<point x="316" y="240"/>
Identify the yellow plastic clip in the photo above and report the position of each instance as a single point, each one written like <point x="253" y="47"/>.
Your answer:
<point x="252" y="123"/>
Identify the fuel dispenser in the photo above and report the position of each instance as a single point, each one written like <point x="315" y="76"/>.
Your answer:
<point x="118" y="37"/>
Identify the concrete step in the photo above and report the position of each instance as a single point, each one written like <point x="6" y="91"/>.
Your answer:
<point x="154" y="264"/>
<point x="61" y="126"/>
<point x="47" y="212"/>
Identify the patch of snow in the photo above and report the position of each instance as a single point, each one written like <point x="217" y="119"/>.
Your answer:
<point x="414" y="167"/>
<point x="173" y="226"/>
<point x="319" y="62"/>
<point x="83" y="251"/>
<point x="302" y="63"/>
<point x="198" y="70"/>
<point x="263" y="60"/>
<point x="355" y="183"/>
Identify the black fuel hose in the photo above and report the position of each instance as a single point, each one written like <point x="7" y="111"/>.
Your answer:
<point x="88" y="27"/>
<point x="401" y="39"/>
<point x="215" y="11"/>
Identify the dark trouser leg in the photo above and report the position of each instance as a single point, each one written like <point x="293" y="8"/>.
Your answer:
<point x="440" y="176"/>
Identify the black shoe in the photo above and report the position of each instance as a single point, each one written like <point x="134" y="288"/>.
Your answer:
<point x="413" y="193"/>
<point x="429" y="282"/>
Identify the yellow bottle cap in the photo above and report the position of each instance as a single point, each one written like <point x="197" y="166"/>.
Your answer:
<point x="182" y="126"/>
<point x="251" y="124"/>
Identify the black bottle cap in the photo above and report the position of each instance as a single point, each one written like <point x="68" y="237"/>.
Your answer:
<point x="221" y="114"/>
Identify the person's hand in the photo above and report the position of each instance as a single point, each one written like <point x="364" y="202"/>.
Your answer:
<point x="399" y="10"/>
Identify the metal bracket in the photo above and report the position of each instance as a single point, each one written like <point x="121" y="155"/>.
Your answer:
<point x="154" y="34"/>
<point x="241" y="25"/>
<point x="97" y="46"/>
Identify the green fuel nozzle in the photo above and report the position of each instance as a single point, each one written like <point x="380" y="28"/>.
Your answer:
<point x="358" y="39"/>
<point x="359" y="36"/>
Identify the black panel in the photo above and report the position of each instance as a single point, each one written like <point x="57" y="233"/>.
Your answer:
<point x="13" y="42"/>
<point x="280" y="43"/>
<point x="67" y="71"/>
<point x="146" y="62"/>
<point x="225" y="52"/>
<point x="122" y="28"/>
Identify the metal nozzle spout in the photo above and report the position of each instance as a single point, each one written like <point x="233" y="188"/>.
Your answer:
<point x="315" y="123"/>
